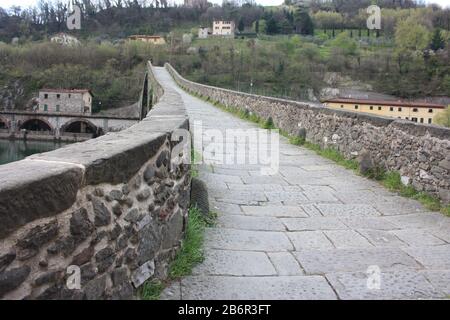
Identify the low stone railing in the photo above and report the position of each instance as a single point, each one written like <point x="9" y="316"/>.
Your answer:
<point x="420" y="152"/>
<point x="94" y="220"/>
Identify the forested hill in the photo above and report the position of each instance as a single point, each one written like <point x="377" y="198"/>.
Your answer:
<point x="119" y="18"/>
<point x="291" y="51"/>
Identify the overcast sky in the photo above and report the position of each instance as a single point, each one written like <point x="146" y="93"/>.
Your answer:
<point x="27" y="3"/>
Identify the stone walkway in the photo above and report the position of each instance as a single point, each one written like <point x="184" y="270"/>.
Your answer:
<point x="312" y="231"/>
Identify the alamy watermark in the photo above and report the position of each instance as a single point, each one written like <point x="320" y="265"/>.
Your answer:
<point x="74" y="17"/>
<point x="252" y="146"/>
<point x="73" y="281"/>
<point x="373" y="278"/>
<point x="374" y="19"/>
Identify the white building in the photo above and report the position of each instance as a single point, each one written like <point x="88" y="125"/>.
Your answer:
<point x="224" y="28"/>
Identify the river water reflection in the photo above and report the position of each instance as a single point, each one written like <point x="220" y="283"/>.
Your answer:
<point x="14" y="150"/>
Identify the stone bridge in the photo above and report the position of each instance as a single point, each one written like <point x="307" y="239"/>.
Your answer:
<point x="115" y="207"/>
<point x="49" y="126"/>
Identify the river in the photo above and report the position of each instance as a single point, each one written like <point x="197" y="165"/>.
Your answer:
<point x="14" y="150"/>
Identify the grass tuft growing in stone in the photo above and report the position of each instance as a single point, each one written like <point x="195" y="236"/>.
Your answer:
<point x="333" y="155"/>
<point x="190" y="254"/>
<point x="392" y="181"/>
<point x="151" y="290"/>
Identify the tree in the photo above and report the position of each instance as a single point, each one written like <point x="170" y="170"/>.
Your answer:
<point x="328" y="20"/>
<point x="241" y="25"/>
<point x="437" y="41"/>
<point x="272" y="26"/>
<point x="411" y="36"/>
<point x="303" y="22"/>
<point x="443" y="118"/>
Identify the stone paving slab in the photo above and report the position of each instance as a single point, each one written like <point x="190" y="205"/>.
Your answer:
<point x="417" y="237"/>
<point x="225" y="208"/>
<point x="311" y="224"/>
<point x="440" y="280"/>
<point x="347" y="210"/>
<point x="434" y="257"/>
<point x="374" y="223"/>
<point x="341" y="260"/>
<point x="250" y="223"/>
<point x="235" y="263"/>
<point x="285" y="264"/>
<point x="232" y="239"/>
<point x="420" y="220"/>
<point x="274" y="211"/>
<point x="347" y="239"/>
<point x="256" y="288"/>
<point x="392" y="285"/>
<point x="309" y="240"/>
<point x="401" y="207"/>
<point x="381" y="238"/>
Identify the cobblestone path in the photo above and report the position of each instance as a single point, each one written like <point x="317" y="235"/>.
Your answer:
<point x="314" y="230"/>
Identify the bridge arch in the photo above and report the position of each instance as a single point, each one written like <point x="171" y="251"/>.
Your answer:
<point x="81" y="126"/>
<point x="36" y="124"/>
<point x="3" y="123"/>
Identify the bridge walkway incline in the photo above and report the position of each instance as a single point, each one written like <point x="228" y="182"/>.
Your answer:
<point x="314" y="230"/>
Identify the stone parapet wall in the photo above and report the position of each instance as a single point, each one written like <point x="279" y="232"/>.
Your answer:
<point x="113" y="208"/>
<point x="420" y="152"/>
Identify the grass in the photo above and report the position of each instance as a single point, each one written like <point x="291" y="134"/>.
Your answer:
<point x="190" y="254"/>
<point x="391" y="180"/>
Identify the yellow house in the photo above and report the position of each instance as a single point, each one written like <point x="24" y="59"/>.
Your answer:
<point x="158" y="40"/>
<point x="421" y="112"/>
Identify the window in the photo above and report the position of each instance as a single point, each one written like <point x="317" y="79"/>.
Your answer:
<point x="391" y="109"/>
<point x="45" y="107"/>
<point x="58" y="96"/>
<point x="342" y="105"/>
<point x="379" y="108"/>
<point x="46" y="96"/>
<point x="421" y="120"/>
<point x="406" y="118"/>
<point x="429" y="120"/>
<point x="399" y="109"/>
<point x="415" y="110"/>
<point x="356" y="107"/>
<point x="414" y="119"/>
<point x="57" y="108"/>
<point x="430" y="110"/>
<point x="70" y="96"/>
<point x="371" y="107"/>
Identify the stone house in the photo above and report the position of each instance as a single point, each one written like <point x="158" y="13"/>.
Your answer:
<point x="78" y="101"/>
<point x="224" y="28"/>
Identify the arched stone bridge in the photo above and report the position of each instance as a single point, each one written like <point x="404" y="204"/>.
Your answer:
<point x="40" y="125"/>
<point x="117" y="207"/>
<point x="66" y="126"/>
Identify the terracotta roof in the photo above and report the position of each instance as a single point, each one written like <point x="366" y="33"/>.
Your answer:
<point x="388" y="103"/>
<point x="66" y="90"/>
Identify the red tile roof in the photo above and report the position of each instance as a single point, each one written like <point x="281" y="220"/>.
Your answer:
<point x="387" y="103"/>
<point x="66" y="90"/>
